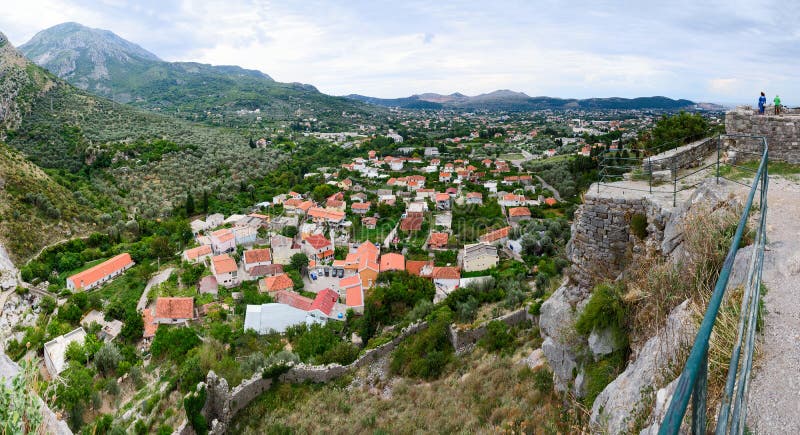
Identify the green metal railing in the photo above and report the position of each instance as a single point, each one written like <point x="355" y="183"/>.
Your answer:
<point x="693" y="382"/>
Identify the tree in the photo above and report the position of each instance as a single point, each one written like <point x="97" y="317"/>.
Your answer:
<point x="107" y="359"/>
<point x="252" y="143"/>
<point x="19" y="406"/>
<point x="298" y="261"/>
<point x="289" y="231"/>
<point x="133" y="328"/>
<point x="205" y="201"/>
<point x="189" y="203"/>
<point x="160" y="247"/>
<point x="74" y="393"/>
<point x="322" y="191"/>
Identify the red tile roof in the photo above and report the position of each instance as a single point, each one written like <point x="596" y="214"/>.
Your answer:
<point x="393" y="261"/>
<point x="324" y="301"/>
<point x="438" y="239"/>
<point x="197" y="252"/>
<point x="350" y="281"/>
<point x="414" y="267"/>
<point x="96" y="273"/>
<point x="354" y="297"/>
<point x="518" y="212"/>
<point x="266" y="269"/>
<point x="550" y="201"/>
<point x="446" y="273"/>
<point x="442" y="197"/>
<point x="257" y="256"/>
<point x="174" y="308"/>
<point x="222" y="235"/>
<point x="223" y="264"/>
<point x="317" y="241"/>
<point x="293" y="299"/>
<point x="495" y="235"/>
<point x="150" y="327"/>
<point x="411" y="223"/>
<point x="277" y="282"/>
<point x="361" y="205"/>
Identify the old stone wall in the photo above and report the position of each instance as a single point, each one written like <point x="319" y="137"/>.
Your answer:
<point x="463" y="340"/>
<point x="782" y="132"/>
<point x="687" y="156"/>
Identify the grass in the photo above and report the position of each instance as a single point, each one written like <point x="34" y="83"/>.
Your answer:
<point x="746" y="170"/>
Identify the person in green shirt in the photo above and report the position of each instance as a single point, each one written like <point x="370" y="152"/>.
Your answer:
<point x="777" y="102"/>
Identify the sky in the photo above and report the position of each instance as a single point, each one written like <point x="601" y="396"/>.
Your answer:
<point x="724" y="52"/>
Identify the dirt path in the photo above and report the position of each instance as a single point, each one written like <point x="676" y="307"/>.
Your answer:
<point x="773" y="405"/>
<point x="155" y="280"/>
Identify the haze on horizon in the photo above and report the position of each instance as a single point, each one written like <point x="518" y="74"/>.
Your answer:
<point x="720" y="52"/>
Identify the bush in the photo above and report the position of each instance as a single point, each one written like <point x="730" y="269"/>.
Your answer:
<point x="193" y="403"/>
<point x="107" y="358"/>
<point x="605" y="309"/>
<point x="426" y="354"/>
<point x="173" y="342"/>
<point x="497" y="338"/>
<point x="601" y="373"/>
<point x="639" y="226"/>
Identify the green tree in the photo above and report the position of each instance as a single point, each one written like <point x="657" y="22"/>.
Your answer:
<point x="20" y="409"/>
<point x="160" y="247"/>
<point x="73" y="394"/>
<point x="189" y="203"/>
<point x="298" y="261"/>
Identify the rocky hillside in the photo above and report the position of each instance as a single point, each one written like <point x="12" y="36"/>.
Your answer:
<point x="103" y="63"/>
<point x="19" y="85"/>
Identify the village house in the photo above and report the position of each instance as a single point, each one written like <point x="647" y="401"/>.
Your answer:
<point x="198" y="254"/>
<point x="438" y="241"/>
<point x="225" y="270"/>
<point x="445" y="279"/>
<point x="317" y="247"/>
<point x="369" y="223"/>
<point x="198" y="226"/>
<point x="512" y="200"/>
<point x="323" y="215"/>
<point x="276" y="317"/>
<point x="417" y="207"/>
<point x="245" y="235"/>
<point x="109" y="329"/>
<point x="353" y="293"/>
<point x="475" y="198"/>
<point x="358" y="197"/>
<point x="519" y="214"/>
<point x="101" y="273"/>
<point x="496" y="237"/>
<point x="550" y="201"/>
<point x="445" y="177"/>
<point x="275" y="283"/>
<point x="360" y="207"/>
<point x="256" y="257"/>
<point x="412" y="222"/>
<point x="55" y="350"/>
<point x="392" y="261"/>
<point x="283" y="248"/>
<point x="479" y="256"/>
<point x="442" y="201"/>
<point x="368" y="267"/>
<point x="423" y="269"/>
<point x="443" y="219"/>
<point x="323" y="304"/>
<point x="223" y="241"/>
<point x="214" y="220"/>
<point x="491" y="186"/>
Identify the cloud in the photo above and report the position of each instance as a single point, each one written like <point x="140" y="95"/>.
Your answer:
<point x="583" y="48"/>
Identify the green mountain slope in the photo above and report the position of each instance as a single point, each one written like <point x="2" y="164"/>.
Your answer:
<point x="118" y="156"/>
<point x="105" y="64"/>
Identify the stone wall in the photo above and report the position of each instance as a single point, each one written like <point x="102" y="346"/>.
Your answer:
<point x="782" y="132"/>
<point x="687" y="156"/>
<point x="463" y="340"/>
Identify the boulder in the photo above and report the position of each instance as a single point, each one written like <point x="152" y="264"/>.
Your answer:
<point x="620" y="401"/>
<point x="562" y="361"/>
<point x="602" y="342"/>
<point x="535" y="360"/>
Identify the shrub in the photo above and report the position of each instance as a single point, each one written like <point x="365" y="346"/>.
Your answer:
<point x="426" y="354"/>
<point x="497" y="338"/>
<point x="601" y="373"/>
<point x="173" y="342"/>
<point x="107" y="358"/>
<point x="605" y="309"/>
<point x="639" y="226"/>
<point x="193" y="403"/>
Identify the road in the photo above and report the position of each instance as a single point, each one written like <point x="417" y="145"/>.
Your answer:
<point x="155" y="280"/>
<point x="556" y="195"/>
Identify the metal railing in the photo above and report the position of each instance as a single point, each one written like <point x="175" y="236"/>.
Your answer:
<point x="618" y="165"/>
<point x="693" y="382"/>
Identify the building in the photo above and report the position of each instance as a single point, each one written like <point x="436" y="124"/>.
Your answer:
<point x="438" y="240"/>
<point x="283" y="248"/>
<point x="225" y="270"/>
<point x="519" y="214"/>
<point x="324" y="302"/>
<point x="109" y="330"/>
<point x="266" y="318"/>
<point x="512" y="200"/>
<point x="317" y="247"/>
<point x="442" y="201"/>
<point x="56" y="349"/>
<point x="353" y="292"/>
<point x="412" y="222"/>
<point x="293" y="299"/>
<point x="369" y="223"/>
<point x="245" y="235"/>
<point x="257" y="257"/>
<point x="214" y="220"/>
<point x="550" y="201"/>
<point x="276" y="283"/>
<point x="475" y="198"/>
<point x="496" y="236"/>
<point x="173" y="311"/>
<point x="198" y="254"/>
<point x="419" y="268"/>
<point x="267" y="270"/>
<point x="445" y="279"/>
<point x="100" y="274"/>
<point x="392" y="261"/>
<point x="368" y="267"/>
<point x="479" y="256"/>
<point x="223" y="241"/>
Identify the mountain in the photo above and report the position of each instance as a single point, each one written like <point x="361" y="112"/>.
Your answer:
<point x="506" y="100"/>
<point x="114" y="158"/>
<point x="105" y="64"/>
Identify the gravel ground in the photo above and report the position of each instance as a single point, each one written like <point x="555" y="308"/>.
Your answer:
<point x="774" y="400"/>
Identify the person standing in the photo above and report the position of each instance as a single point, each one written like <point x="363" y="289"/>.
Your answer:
<point x="762" y="102"/>
<point x="777" y="102"/>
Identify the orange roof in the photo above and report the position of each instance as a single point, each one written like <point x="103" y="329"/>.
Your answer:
<point x="367" y="263"/>
<point x="257" y="256"/>
<point x="96" y="273"/>
<point x="550" y="201"/>
<point x="354" y="297"/>
<point x="324" y="301"/>
<point x="444" y="175"/>
<point x="326" y="253"/>
<point x="361" y="205"/>
<point x="474" y="195"/>
<point x="350" y="281"/>
<point x="222" y="235"/>
<point x="438" y="239"/>
<point x="442" y="197"/>
<point x="223" y="264"/>
<point x="293" y="202"/>
<point x="513" y="197"/>
<point x="369" y="220"/>
<point x="368" y="250"/>
<point x="393" y="261"/>
<point x="321" y="213"/>
<point x="317" y="241"/>
<point x="414" y="267"/>
<point x="197" y="252"/>
<point x="305" y="205"/>
<point x="150" y="327"/>
<point x="518" y="211"/>
<point x="277" y="282"/>
<point x="495" y="235"/>
<point x="293" y="299"/>
<point x="174" y="308"/>
<point x="411" y="223"/>
<point x="446" y="273"/>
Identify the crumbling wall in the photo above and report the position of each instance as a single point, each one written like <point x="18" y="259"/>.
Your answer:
<point x="463" y="340"/>
<point x="687" y="156"/>
<point x="782" y="132"/>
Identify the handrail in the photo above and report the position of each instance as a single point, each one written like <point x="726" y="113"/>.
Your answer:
<point x="693" y="382"/>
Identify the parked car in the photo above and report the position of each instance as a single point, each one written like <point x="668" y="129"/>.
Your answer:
<point x="313" y="276"/>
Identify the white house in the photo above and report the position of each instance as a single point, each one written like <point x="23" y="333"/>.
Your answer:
<point x="101" y="273"/>
<point x="223" y="241"/>
<point x="198" y="254"/>
<point x="257" y="257"/>
<point x="225" y="270"/>
<point x="55" y="350"/>
<point x="491" y="186"/>
<point x="214" y="220"/>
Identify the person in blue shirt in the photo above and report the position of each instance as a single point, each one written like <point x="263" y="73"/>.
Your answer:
<point x="762" y="102"/>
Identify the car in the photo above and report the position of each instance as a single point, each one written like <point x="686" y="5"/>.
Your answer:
<point x="313" y="276"/>
<point x="327" y="272"/>
<point x="341" y="273"/>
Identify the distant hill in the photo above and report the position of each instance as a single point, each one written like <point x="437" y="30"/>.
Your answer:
<point x="113" y="157"/>
<point x="507" y="100"/>
<point x="105" y="64"/>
